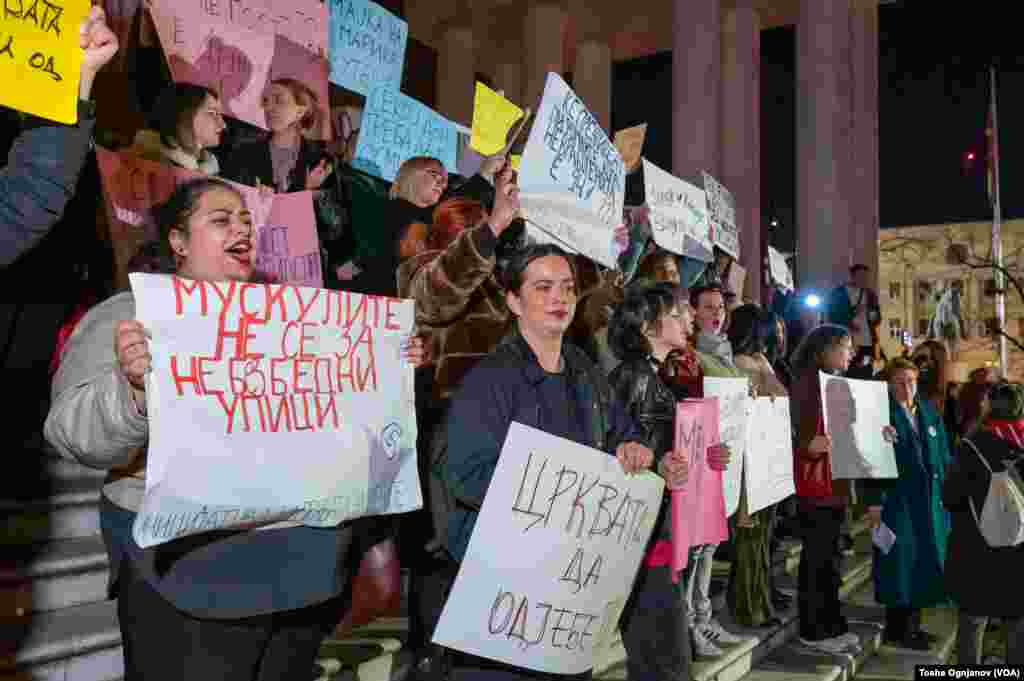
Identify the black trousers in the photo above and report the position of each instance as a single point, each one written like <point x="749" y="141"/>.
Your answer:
<point x="164" y="643"/>
<point x="901" y="621"/>
<point x="654" y="629"/>
<point x="818" y="578"/>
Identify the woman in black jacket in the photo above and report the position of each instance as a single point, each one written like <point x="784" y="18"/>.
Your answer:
<point x="984" y="581"/>
<point x="650" y="324"/>
<point x="287" y="160"/>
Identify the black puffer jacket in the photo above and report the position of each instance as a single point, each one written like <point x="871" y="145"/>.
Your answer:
<point x="981" y="580"/>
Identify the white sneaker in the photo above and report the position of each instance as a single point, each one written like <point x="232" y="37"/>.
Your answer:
<point x="720" y="634"/>
<point x="832" y="646"/>
<point x="704" y="646"/>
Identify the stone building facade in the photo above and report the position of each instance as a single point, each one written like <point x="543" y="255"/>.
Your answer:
<point x="914" y="271"/>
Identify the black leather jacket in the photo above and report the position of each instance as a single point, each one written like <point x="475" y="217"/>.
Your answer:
<point x="647" y="399"/>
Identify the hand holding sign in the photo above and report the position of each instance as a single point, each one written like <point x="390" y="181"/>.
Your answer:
<point x="675" y="470"/>
<point x="316" y="175"/>
<point x="634" y="457"/>
<point x="719" y="456"/>
<point x="99" y="45"/>
<point x="506" y="201"/>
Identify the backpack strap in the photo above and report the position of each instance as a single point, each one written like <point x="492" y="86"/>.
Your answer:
<point x="970" y="499"/>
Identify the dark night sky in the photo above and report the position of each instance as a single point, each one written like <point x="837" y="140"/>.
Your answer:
<point x="933" y="99"/>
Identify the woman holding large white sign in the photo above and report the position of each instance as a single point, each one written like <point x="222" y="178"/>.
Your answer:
<point x="222" y="604"/>
<point x="538" y="380"/>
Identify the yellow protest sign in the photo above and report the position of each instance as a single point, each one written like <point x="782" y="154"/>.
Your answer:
<point x="493" y="116"/>
<point x="40" y="57"/>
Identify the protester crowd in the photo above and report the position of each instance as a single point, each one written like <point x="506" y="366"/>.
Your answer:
<point x="496" y="320"/>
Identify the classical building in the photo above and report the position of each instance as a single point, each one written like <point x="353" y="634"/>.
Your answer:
<point x="915" y="269"/>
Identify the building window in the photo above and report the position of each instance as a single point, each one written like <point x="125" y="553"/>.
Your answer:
<point x="922" y="327"/>
<point x="991" y="326"/>
<point x="894" y="290"/>
<point x="990" y="288"/>
<point x="924" y="291"/>
<point x="895" y="328"/>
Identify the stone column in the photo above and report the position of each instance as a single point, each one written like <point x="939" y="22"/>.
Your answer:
<point x="822" y="143"/>
<point x="741" y="136"/>
<point x="864" y="107"/>
<point x="592" y="75"/>
<point x="508" y="77"/>
<point x="456" y="74"/>
<point x="543" y="49"/>
<point x="696" y="73"/>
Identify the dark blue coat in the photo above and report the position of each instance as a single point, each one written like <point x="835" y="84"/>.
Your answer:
<point x="504" y="387"/>
<point x="39" y="180"/>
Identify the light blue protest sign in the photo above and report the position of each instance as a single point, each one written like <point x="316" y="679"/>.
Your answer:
<point x="396" y="128"/>
<point x="367" y="46"/>
<point x="572" y="180"/>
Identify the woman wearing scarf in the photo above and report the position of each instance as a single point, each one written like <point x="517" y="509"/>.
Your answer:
<point x="909" y="576"/>
<point x="714" y="353"/>
<point x="984" y="581"/>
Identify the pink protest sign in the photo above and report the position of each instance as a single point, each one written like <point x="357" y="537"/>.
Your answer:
<point x="698" y="510"/>
<point x="287" y="246"/>
<point x="237" y="47"/>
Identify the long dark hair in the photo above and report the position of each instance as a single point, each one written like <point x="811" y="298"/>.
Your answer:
<point x="644" y="306"/>
<point x="773" y="350"/>
<point x="748" y="332"/>
<point x="819" y="341"/>
<point x="174" y="106"/>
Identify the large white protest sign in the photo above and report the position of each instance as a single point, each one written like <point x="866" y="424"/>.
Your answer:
<point x="733" y="417"/>
<point x="273" y="403"/>
<point x="553" y="555"/>
<point x="779" y="269"/>
<point x="768" y="460"/>
<point x="572" y="181"/>
<point x="856" y="412"/>
<point x="722" y="207"/>
<point x="678" y="210"/>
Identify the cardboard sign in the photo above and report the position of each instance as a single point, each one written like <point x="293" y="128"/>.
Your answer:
<point x="722" y="207"/>
<point x="698" y="510"/>
<point x="630" y="143"/>
<point x="493" y="117"/>
<point x="396" y="128"/>
<point x="678" y="211"/>
<point x="273" y="403"/>
<point x="367" y="46"/>
<point x="287" y="244"/>
<point x="779" y="268"/>
<point x="548" y="595"/>
<point x="768" y="458"/>
<point x="237" y="48"/>
<point x="40" y="58"/>
<point x="572" y="181"/>
<point x="734" y="409"/>
<point x="856" y="412"/>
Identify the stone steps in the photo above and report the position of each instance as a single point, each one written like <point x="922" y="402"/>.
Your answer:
<point x="78" y="642"/>
<point x="55" y="575"/>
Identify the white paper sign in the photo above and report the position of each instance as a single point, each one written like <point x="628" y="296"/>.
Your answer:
<point x="769" y="454"/>
<point x="273" y="403"/>
<point x="734" y="415"/>
<point x="553" y="556"/>
<point x="722" y="207"/>
<point x="856" y="412"/>
<point x="572" y="181"/>
<point x="779" y="268"/>
<point x="678" y="210"/>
